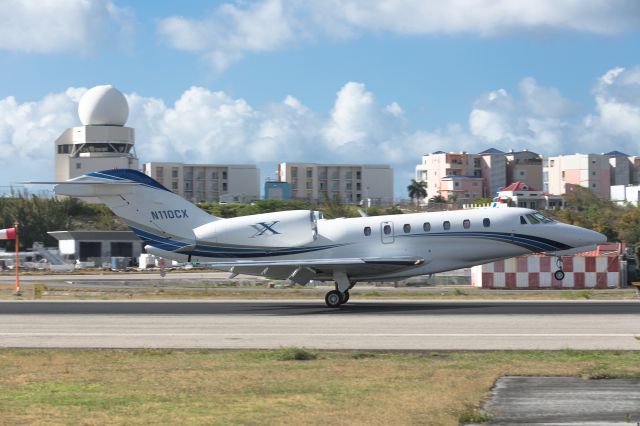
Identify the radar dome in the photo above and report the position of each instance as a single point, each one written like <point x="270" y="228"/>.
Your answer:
<point x="103" y="106"/>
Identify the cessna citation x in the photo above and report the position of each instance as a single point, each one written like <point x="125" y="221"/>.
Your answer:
<point x="300" y="245"/>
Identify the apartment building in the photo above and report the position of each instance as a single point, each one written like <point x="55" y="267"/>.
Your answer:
<point x="466" y="176"/>
<point x="348" y="183"/>
<point x="451" y="174"/>
<point x="591" y="171"/>
<point x="208" y="182"/>
<point x="463" y="189"/>
<point x="493" y="170"/>
<point x="524" y="166"/>
<point x="621" y="168"/>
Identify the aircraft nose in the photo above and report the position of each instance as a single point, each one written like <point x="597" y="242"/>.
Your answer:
<point x="587" y="237"/>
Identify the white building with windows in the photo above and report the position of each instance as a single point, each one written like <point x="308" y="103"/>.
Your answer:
<point x="519" y="194"/>
<point x="232" y="183"/>
<point x="347" y="183"/>
<point x="625" y="194"/>
<point x="102" y="142"/>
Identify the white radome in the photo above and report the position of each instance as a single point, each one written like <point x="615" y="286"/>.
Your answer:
<point x="103" y="106"/>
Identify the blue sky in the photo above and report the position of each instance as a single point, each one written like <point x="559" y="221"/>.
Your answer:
<point x="319" y="80"/>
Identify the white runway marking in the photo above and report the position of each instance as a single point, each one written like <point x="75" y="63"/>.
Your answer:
<point x="322" y="334"/>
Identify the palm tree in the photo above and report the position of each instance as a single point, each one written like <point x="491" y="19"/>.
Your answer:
<point x="417" y="190"/>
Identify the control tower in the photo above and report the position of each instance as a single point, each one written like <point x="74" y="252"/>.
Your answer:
<point x="102" y="142"/>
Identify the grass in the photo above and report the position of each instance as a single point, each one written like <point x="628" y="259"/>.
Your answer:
<point x="272" y="387"/>
<point x="202" y="289"/>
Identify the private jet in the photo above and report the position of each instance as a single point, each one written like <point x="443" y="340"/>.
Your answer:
<point x="301" y="245"/>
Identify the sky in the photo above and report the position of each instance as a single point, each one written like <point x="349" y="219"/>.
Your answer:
<point x="334" y="81"/>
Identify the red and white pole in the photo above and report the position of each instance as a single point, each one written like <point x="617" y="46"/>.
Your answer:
<point x="15" y="227"/>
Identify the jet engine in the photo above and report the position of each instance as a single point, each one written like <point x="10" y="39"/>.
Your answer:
<point x="278" y="229"/>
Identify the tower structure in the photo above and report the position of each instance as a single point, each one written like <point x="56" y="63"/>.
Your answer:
<point x="102" y="142"/>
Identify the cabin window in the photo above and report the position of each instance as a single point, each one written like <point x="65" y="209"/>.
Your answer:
<point x="466" y="224"/>
<point x="367" y="231"/>
<point x="486" y="222"/>
<point x="446" y="225"/>
<point x="426" y="227"/>
<point x="387" y="229"/>
<point x="523" y="221"/>
<point x="406" y="228"/>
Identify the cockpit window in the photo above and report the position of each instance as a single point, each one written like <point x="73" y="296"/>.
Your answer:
<point x="523" y="221"/>
<point x="542" y="218"/>
<point x="537" y="217"/>
<point x="532" y="219"/>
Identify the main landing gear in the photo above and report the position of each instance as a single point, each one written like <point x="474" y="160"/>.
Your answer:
<point x="334" y="298"/>
<point x="340" y="295"/>
<point x="559" y="274"/>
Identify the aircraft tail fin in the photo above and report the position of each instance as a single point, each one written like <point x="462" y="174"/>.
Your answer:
<point x="158" y="216"/>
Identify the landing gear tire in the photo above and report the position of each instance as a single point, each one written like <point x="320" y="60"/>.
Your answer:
<point x="333" y="299"/>
<point x="558" y="275"/>
<point x="345" y="297"/>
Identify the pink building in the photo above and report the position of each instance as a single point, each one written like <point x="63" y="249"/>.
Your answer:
<point x="464" y="189"/>
<point x="451" y="173"/>
<point x="471" y="176"/>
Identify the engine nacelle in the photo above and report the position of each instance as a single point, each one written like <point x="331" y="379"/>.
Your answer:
<point x="278" y="229"/>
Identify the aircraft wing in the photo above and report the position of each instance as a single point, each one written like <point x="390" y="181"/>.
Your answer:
<point x="318" y="268"/>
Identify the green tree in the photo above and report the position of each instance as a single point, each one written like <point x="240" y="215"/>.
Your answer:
<point x="628" y="225"/>
<point x="417" y="190"/>
<point x="437" y="199"/>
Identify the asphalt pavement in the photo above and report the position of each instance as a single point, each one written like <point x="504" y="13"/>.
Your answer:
<point x="371" y="325"/>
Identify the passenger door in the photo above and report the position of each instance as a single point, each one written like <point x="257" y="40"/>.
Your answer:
<point x="386" y="232"/>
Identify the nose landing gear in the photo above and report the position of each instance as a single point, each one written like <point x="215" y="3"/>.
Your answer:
<point x="559" y="274"/>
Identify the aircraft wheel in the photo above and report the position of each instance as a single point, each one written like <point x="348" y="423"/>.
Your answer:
<point x="345" y="297"/>
<point x="333" y="299"/>
<point x="559" y="275"/>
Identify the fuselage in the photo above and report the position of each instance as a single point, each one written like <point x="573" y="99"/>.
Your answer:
<point x="444" y="240"/>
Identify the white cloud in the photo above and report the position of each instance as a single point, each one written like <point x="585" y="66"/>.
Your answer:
<point x="230" y="31"/>
<point x="205" y="126"/>
<point x="234" y="29"/>
<point x="538" y="118"/>
<point x="49" y="26"/>
<point x="617" y="116"/>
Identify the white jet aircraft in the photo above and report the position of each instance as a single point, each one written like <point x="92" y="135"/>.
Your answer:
<point x="300" y="245"/>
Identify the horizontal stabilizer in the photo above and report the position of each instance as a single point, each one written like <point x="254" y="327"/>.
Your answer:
<point x="93" y="189"/>
<point x="68" y="182"/>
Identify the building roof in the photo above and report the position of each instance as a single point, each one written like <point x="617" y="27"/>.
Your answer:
<point x="518" y="186"/>
<point x="94" y="235"/>
<point x="438" y="152"/>
<point x="492" y="151"/>
<point x="612" y="250"/>
<point x="616" y="153"/>
<point x="523" y="151"/>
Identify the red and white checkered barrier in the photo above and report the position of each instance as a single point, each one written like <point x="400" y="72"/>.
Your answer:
<point x="531" y="272"/>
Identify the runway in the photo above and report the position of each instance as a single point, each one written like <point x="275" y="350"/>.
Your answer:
<point x="367" y="325"/>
